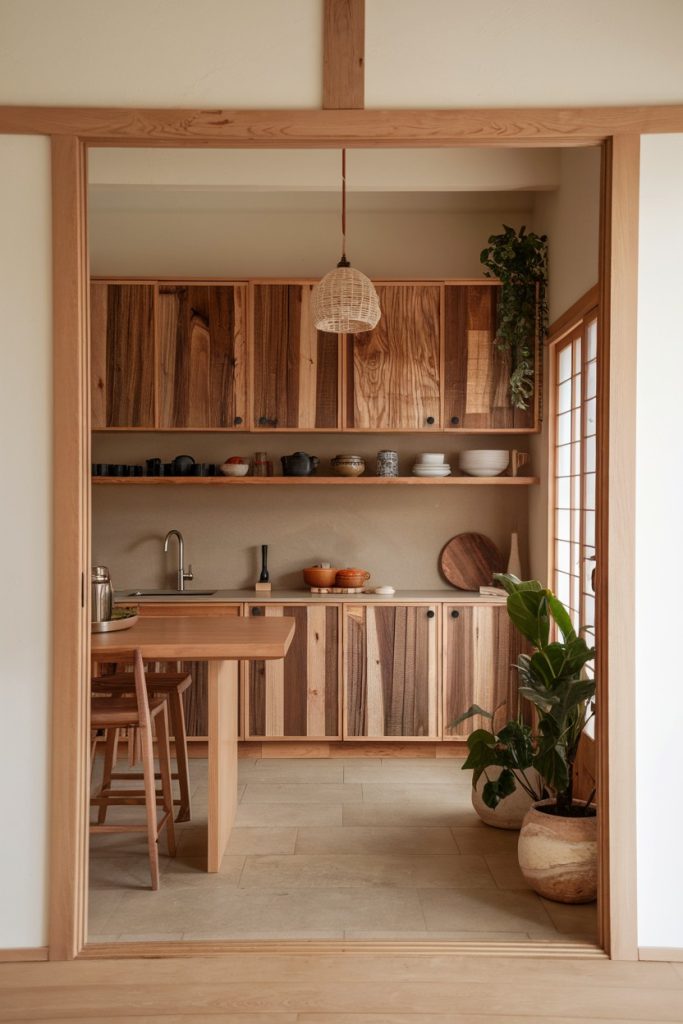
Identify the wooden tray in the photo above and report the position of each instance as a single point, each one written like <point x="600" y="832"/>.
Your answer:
<point x="469" y="561"/>
<point x="337" y="590"/>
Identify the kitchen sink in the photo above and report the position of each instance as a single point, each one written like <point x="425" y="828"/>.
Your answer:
<point x="171" y="593"/>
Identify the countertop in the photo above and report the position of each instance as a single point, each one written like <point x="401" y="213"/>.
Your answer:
<point x="445" y="596"/>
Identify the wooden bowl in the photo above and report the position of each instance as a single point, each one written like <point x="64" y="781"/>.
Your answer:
<point x="317" y="577"/>
<point x="352" y="577"/>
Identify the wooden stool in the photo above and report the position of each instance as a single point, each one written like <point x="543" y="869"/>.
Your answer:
<point x="112" y="714"/>
<point x="159" y="684"/>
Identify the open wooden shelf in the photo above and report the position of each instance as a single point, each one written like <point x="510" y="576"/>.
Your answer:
<point x="297" y="481"/>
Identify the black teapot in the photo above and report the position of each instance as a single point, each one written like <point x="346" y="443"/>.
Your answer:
<point x="299" y="464"/>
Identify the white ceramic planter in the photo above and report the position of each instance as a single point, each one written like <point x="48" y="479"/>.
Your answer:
<point x="510" y="812"/>
<point x="559" y="856"/>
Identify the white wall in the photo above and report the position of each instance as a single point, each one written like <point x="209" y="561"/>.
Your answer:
<point x="464" y="53"/>
<point x="659" y="514"/>
<point x="25" y="526"/>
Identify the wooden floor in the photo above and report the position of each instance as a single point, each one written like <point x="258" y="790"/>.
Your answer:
<point x="343" y="989"/>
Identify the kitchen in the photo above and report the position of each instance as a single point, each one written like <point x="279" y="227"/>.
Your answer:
<point x="418" y="220"/>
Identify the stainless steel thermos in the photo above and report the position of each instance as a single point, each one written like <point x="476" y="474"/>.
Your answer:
<point x="102" y="593"/>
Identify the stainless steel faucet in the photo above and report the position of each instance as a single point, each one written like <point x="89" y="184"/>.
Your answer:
<point x="181" y="575"/>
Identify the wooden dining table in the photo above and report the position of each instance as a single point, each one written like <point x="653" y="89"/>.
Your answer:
<point x="223" y="643"/>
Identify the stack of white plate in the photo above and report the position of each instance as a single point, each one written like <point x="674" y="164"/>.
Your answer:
<point x="431" y="464"/>
<point x="484" y="462"/>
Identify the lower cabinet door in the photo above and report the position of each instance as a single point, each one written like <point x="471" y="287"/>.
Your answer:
<point x="196" y="697"/>
<point x="481" y="647"/>
<point x="391" y="677"/>
<point x="296" y="697"/>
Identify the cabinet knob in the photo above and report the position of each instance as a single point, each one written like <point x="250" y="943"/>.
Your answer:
<point x="237" y="420"/>
<point x="455" y="420"/>
<point x="431" y="613"/>
<point x="256" y="611"/>
<point x="430" y="420"/>
<point x="262" y="421"/>
<point x="455" y="614"/>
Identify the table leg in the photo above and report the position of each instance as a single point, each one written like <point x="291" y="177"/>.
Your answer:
<point x="223" y="683"/>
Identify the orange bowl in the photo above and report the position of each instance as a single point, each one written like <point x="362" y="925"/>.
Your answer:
<point x="352" y="577"/>
<point x="317" y="577"/>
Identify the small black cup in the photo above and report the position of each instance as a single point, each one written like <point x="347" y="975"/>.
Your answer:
<point x="169" y="469"/>
<point x="116" y="469"/>
<point x="153" y="467"/>
<point x="135" y="471"/>
<point x="100" y="468"/>
<point x="197" y="469"/>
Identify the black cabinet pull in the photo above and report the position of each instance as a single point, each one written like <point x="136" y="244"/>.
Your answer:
<point x="430" y="420"/>
<point x="256" y="611"/>
<point x="455" y="420"/>
<point x="262" y="421"/>
<point x="431" y="613"/>
<point x="455" y="614"/>
<point x="237" y="420"/>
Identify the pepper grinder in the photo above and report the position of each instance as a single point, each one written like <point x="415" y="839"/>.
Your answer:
<point x="264" y="579"/>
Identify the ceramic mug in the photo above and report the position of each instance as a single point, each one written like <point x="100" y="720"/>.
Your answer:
<point x="517" y="460"/>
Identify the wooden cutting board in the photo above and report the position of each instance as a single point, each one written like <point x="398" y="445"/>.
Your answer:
<point x="469" y="561"/>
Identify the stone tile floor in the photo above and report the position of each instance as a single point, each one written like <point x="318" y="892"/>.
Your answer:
<point x="385" y="848"/>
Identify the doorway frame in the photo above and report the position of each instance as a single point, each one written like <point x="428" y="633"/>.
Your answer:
<point x="72" y="132"/>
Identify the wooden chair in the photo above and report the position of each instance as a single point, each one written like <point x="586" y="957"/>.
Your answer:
<point x="138" y="712"/>
<point x="171" y="685"/>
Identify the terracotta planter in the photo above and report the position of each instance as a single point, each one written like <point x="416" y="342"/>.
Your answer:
<point x="559" y="856"/>
<point x="510" y="812"/>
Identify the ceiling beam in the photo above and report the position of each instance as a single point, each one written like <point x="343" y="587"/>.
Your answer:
<point x="344" y="55"/>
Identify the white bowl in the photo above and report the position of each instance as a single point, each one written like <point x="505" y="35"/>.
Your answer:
<point x="484" y="462"/>
<point x="234" y="468"/>
<point x="430" y="459"/>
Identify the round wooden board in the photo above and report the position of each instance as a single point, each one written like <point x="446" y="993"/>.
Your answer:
<point x="469" y="561"/>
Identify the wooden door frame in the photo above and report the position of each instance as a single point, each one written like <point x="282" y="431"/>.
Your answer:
<point x="72" y="131"/>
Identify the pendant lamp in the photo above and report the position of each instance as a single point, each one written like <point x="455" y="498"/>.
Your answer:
<point x="345" y="301"/>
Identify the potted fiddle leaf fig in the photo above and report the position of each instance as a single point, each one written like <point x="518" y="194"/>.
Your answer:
<point x="558" y="841"/>
<point x="519" y="259"/>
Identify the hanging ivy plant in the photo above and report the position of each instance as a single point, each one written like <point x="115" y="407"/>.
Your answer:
<point x="520" y="262"/>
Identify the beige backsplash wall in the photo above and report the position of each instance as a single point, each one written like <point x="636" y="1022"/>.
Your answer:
<point x="394" y="532"/>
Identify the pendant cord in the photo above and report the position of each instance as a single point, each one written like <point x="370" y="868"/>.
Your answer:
<point x="344" y="204"/>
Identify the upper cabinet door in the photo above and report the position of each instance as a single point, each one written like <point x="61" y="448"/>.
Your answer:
<point x="393" y="371"/>
<point x="122" y="355"/>
<point x="202" y="356"/>
<point x="296" y="368"/>
<point x="477" y="374"/>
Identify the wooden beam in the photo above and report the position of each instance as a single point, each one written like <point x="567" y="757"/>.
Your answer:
<point x="115" y="126"/>
<point x="71" y="585"/>
<point x="615" y="548"/>
<point x="344" y="55"/>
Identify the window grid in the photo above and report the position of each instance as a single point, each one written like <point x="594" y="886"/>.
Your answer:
<point x="575" y="471"/>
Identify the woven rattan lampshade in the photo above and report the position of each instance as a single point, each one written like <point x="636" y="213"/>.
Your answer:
<point x="345" y="300"/>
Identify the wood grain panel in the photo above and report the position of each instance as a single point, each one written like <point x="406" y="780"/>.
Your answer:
<point x="476" y="373"/>
<point x="480" y="648"/>
<point x="202" y="356"/>
<point x="122" y="347"/>
<point x="343" y="54"/>
<point x="391" y="671"/>
<point x="394" y="370"/>
<point x="295" y="367"/>
<point x="299" y="697"/>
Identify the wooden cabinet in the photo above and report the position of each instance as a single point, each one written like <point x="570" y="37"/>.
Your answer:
<point x="391" y="671"/>
<point x="393" y="373"/>
<point x="202" y="356"/>
<point x="122" y="355"/>
<point x="297" y="697"/>
<point x="476" y="373"/>
<point x="296" y="369"/>
<point x="481" y="646"/>
<point x="196" y="697"/>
